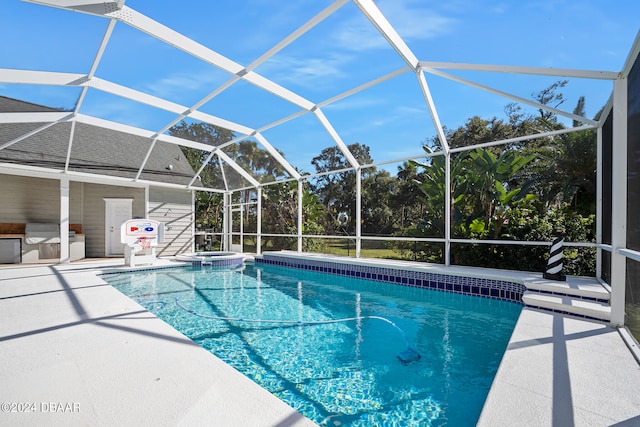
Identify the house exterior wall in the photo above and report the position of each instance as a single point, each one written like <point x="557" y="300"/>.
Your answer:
<point x="26" y="199"/>
<point x="94" y="212"/>
<point x="173" y="208"/>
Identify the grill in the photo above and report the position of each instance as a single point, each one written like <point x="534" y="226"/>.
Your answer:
<point x="37" y="233"/>
<point x="46" y="236"/>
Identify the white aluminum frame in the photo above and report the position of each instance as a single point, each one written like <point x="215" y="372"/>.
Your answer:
<point x="116" y="12"/>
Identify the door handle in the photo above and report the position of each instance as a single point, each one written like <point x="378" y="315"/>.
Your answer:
<point x="112" y="229"/>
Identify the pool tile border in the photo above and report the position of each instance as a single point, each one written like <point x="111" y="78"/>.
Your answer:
<point x="481" y="287"/>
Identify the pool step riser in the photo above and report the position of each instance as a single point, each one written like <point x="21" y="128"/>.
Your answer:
<point x="568" y="304"/>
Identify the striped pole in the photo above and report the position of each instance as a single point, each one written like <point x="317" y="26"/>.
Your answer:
<point x="554" y="264"/>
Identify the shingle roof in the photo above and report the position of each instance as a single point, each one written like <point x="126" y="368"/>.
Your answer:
<point x="95" y="149"/>
<point x="10" y="105"/>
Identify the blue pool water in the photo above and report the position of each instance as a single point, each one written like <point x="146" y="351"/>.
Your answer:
<point x="344" y="373"/>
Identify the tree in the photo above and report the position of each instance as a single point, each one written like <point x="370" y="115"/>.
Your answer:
<point x="579" y="111"/>
<point x="337" y="191"/>
<point x="280" y="216"/>
<point x="377" y="194"/>
<point x="565" y="167"/>
<point x="208" y="204"/>
<point x="406" y="200"/>
<point x="550" y="96"/>
<point x="255" y="161"/>
<point x="498" y="192"/>
<point x="492" y="183"/>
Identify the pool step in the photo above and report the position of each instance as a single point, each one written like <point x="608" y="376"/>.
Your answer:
<point x="579" y="287"/>
<point x="595" y="310"/>
<point x="580" y="296"/>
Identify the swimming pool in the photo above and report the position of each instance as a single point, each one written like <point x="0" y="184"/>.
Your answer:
<point x="344" y="373"/>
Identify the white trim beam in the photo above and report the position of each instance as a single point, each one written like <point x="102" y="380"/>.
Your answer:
<point x="202" y="166"/>
<point x="509" y="69"/>
<point x="224" y="176"/>
<point x="270" y="86"/>
<point x="606" y="110"/>
<point x="167" y="35"/>
<point x="96" y="62"/>
<point x="259" y="222"/>
<point x="94" y="178"/>
<point x="119" y="127"/>
<point x="154" y="101"/>
<point x="164" y="138"/>
<point x="433" y="111"/>
<point x="510" y="96"/>
<point x="80" y="80"/>
<point x="282" y="120"/>
<point x="363" y="87"/>
<point x="281" y="45"/>
<point x="447" y="210"/>
<point x="264" y="57"/>
<point x="373" y="14"/>
<point x="49" y="78"/>
<point x="223" y="156"/>
<point x="619" y="203"/>
<point x="358" y="212"/>
<point x="335" y="98"/>
<point x="599" y="201"/>
<point x="631" y="58"/>
<point x="300" y="219"/>
<point x="296" y="34"/>
<point x="521" y="138"/>
<point x="336" y="138"/>
<point x="146" y="158"/>
<point x="45" y="117"/>
<point x="64" y="4"/>
<point x="173" y="38"/>
<point x="629" y="253"/>
<point x="33" y="132"/>
<point x="276" y="155"/>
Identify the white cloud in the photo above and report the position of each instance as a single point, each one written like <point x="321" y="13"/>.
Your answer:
<point x="307" y="72"/>
<point x="354" y="103"/>
<point x="176" y="84"/>
<point x="411" y="20"/>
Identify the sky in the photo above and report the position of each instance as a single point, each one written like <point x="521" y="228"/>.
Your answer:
<point x="341" y="53"/>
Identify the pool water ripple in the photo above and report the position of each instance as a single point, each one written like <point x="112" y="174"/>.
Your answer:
<point x="346" y="373"/>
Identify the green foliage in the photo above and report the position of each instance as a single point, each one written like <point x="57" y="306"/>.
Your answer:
<point x="529" y="191"/>
<point x="337" y="192"/>
<point x="208" y="205"/>
<point x="280" y="216"/>
<point x="531" y="221"/>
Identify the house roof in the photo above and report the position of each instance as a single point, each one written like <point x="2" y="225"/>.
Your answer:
<point x="94" y="149"/>
<point x="10" y="105"/>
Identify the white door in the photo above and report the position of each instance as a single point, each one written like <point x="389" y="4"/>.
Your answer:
<point x="117" y="211"/>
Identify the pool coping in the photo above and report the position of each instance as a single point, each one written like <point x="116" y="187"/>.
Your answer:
<point x="50" y="314"/>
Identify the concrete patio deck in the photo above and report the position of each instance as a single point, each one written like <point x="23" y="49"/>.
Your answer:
<point x="561" y="371"/>
<point x="75" y="351"/>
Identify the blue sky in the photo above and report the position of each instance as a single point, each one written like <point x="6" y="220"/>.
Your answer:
<point x="341" y="53"/>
